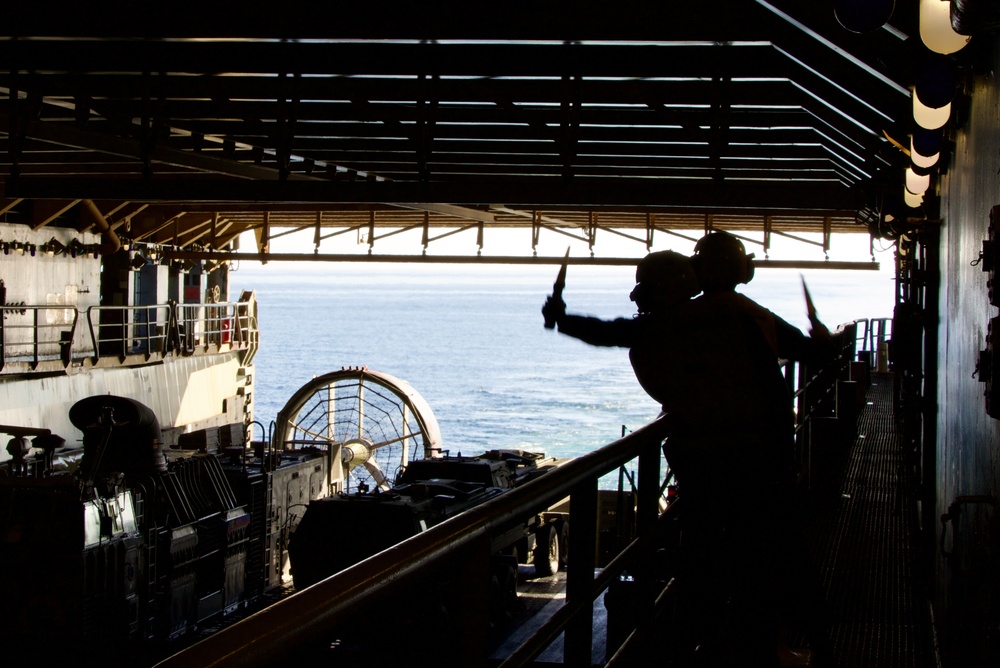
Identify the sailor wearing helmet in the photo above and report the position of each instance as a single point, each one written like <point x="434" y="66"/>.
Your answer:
<point x="712" y="364"/>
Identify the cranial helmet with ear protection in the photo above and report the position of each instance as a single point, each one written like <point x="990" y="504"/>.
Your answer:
<point x="721" y="261"/>
<point x="663" y="278"/>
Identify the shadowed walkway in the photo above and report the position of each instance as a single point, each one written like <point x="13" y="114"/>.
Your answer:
<point x="864" y="539"/>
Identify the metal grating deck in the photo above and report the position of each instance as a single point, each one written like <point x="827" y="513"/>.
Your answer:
<point x="865" y="542"/>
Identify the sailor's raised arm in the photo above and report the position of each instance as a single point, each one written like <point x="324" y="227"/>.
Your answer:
<point x="620" y="332"/>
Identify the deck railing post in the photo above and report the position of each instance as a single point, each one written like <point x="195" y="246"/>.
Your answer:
<point x="471" y="600"/>
<point x="3" y="339"/>
<point x="647" y="512"/>
<point x="34" y="338"/>
<point x="579" y="638"/>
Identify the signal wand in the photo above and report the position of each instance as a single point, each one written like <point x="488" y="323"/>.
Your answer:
<point x="557" y="289"/>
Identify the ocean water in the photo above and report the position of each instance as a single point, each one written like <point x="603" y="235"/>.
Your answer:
<point x="470" y="340"/>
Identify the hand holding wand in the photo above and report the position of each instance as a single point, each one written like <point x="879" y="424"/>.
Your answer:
<point x="818" y="329"/>
<point x="555" y="299"/>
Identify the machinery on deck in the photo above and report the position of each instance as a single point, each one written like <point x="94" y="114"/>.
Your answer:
<point x="127" y="546"/>
<point x="428" y="492"/>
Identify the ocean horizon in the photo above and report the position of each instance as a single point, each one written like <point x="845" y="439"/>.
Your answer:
<point x="470" y="340"/>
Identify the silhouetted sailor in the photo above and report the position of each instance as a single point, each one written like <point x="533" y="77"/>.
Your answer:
<point x="665" y="281"/>
<point x="704" y="361"/>
<point x="712" y="363"/>
<point x="721" y="263"/>
<point x="773" y="582"/>
<point x="662" y="279"/>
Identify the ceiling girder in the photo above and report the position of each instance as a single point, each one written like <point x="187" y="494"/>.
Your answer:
<point x="44" y="212"/>
<point x="68" y="136"/>
<point x="750" y="106"/>
<point x="684" y="193"/>
<point x="632" y="20"/>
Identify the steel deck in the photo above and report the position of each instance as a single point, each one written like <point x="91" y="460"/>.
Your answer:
<point x="863" y="533"/>
<point x="865" y="546"/>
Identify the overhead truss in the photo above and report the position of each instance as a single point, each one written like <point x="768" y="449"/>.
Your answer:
<point x="734" y="114"/>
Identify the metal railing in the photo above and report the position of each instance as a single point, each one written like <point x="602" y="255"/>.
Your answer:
<point x="204" y="325"/>
<point x="463" y="545"/>
<point x="872" y="336"/>
<point x="33" y="334"/>
<point x="129" y="330"/>
<point x="814" y="388"/>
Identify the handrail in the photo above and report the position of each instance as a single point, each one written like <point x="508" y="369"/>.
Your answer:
<point x="39" y="344"/>
<point x="129" y="330"/>
<point x="123" y="332"/>
<point x="550" y="630"/>
<point x="845" y="343"/>
<point x="879" y="332"/>
<point x="265" y="637"/>
<point x="211" y="323"/>
<point x="276" y="631"/>
<point x="814" y="390"/>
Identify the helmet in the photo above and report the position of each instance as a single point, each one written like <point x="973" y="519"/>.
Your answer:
<point x="720" y="260"/>
<point x="663" y="278"/>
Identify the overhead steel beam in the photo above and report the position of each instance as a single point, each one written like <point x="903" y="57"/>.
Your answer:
<point x="47" y="211"/>
<point x="327" y="95"/>
<point x="800" y="27"/>
<point x="772" y="196"/>
<point x="660" y="59"/>
<point x="710" y="20"/>
<point x="65" y="135"/>
<point x="171" y="254"/>
<point x="462" y="212"/>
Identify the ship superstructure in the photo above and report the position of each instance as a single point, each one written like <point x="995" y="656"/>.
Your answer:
<point x="83" y="315"/>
